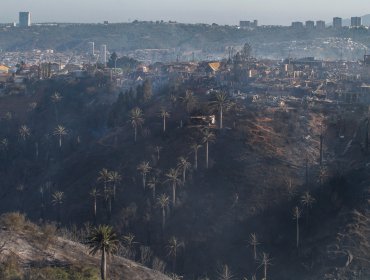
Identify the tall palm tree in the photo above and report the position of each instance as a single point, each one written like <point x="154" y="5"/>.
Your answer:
<point x="163" y="201"/>
<point x="60" y="131"/>
<point x="164" y="115"/>
<point x="173" y="178"/>
<point x="153" y="183"/>
<point x="104" y="176"/>
<point x="224" y="273"/>
<point x="265" y="262"/>
<point x="24" y="132"/>
<point x="173" y="247"/>
<point x="307" y="200"/>
<point x="189" y="101"/>
<point x="253" y="241"/>
<point x="57" y="200"/>
<point x="115" y="178"/>
<point x="296" y="216"/>
<point x="136" y="119"/>
<point x="144" y="169"/>
<point x="94" y="193"/>
<point x="56" y="98"/>
<point x="158" y="149"/>
<point x="183" y="165"/>
<point x="103" y="239"/>
<point x="129" y="246"/>
<point x="195" y="147"/>
<point x="221" y="103"/>
<point x="208" y="137"/>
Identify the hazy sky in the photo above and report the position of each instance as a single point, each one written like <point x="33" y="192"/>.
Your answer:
<point x="207" y="11"/>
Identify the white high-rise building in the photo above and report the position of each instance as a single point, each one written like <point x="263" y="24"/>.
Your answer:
<point x="103" y="55"/>
<point x="24" y="19"/>
<point x="91" y="48"/>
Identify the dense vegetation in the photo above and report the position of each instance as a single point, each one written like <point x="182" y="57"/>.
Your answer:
<point x="202" y="201"/>
<point x="157" y="35"/>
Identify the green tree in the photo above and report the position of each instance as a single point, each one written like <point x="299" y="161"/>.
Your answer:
<point x="189" y="101"/>
<point x="164" y="115"/>
<point x="195" y="147"/>
<point x="307" y="200"/>
<point x="94" y="193"/>
<point x="56" y="98"/>
<point x="104" y="176"/>
<point x="253" y="241"/>
<point x="60" y="131"/>
<point x="136" y="119"/>
<point x="163" y="201"/>
<point x="24" y="132"/>
<point x="173" y="178"/>
<point x="296" y="216"/>
<point x="153" y="183"/>
<point x="208" y="137"/>
<point x="115" y="178"/>
<point x="144" y="168"/>
<point x="173" y="247"/>
<point x="103" y="239"/>
<point x="57" y="200"/>
<point x="221" y="103"/>
<point x="183" y="165"/>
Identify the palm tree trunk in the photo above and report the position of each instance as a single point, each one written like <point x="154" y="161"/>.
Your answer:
<point x="297" y="233"/>
<point x="144" y="181"/>
<point x="163" y="218"/>
<point x="255" y="252"/>
<point x="95" y="206"/>
<point x="183" y="176"/>
<point x="221" y="116"/>
<point x="103" y="268"/>
<point x="135" y="133"/>
<point x="265" y="272"/>
<point x="60" y="141"/>
<point x="154" y="192"/>
<point x="207" y="154"/>
<point x="196" y="159"/>
<point x="164" y="124"/>
<point x="173" y="194"/>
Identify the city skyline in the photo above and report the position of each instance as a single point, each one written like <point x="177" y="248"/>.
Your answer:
<point x="191" y="11"/>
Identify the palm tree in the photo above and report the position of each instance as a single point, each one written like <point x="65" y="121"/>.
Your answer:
<point x="265" y="262"/>
<point x="136" y="119"/>
<point x="225" y="273"/>
<point x="174" y="245"/>
<point x="57" y="200"/>
<point x="296" y="216"/>
<point x="183" y="165"/>
<point x="115" y="178"/>
<point x="144" y="169"/>
<point x="253" y="241"/>
<point x="208" y="137"/>
<point x="189" y="101"/>
<point x="162" y="201"/>
<point x="56" y="98"/>
<point x="158" y="149"/>
<point x="164" y="114"/>
<point x="104" y="175"/>
<point x="221" y="103"/>
<point x="152" y="184"/>
<point x="94" y="193"/>
<point x="129" y="245"/>
<point x="24" y="132"/>
<point x="103" y="239"/>
<point x="173" y="179"/>
<point x="307" y="200"/>
<point x="60" y="131"/>
<point x="195" y="147"/>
